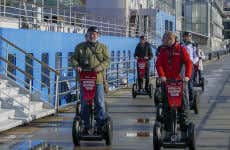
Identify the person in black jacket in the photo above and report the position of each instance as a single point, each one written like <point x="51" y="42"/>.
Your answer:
<point x="143" y="50"/>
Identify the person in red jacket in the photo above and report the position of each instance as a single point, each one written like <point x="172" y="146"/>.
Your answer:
<point x="172" y="56"/>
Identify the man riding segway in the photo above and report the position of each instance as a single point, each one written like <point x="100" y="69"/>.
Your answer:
<point x="143" y="51"/>
<point x="143" y="54"/>
<point x="94" y="57"/>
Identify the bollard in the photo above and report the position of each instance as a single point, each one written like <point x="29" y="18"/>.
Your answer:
<point x="210" y="56"/>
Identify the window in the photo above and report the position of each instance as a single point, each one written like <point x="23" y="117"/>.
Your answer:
<point x="70" y="71"/>
<point x="170" y="26"/>
<point x="11" y="71"/>
<point x="45" y="71"/>
<point x="124" y="55"/>
<point x="29" y="69"/>
<point x="58" y="60"/>
<point x="112" y="59"/>
<point x="166" y="25"/>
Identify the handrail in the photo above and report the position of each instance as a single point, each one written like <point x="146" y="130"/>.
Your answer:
<point x="49" y="94"/>
<point x="12" y="65"/>
<point x="31" y="57"/>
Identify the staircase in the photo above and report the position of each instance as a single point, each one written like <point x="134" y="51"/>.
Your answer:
<point x="17" y="106"/>
<point x="20" y="104"/>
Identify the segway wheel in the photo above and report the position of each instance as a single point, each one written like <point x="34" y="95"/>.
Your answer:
<point x="159" y="115"/>
<point x="106" y="106"/>
<point x="156" y="137"/>
<point x="157" y="96"/>
<point x="191" y="137"/>
<point x="150" y="91"/>
<point x="196" y="102"/>
<point x="134" y="94"/>
<point x="78" y="108"/>
<point x="109" y="131"/>
<point x="76" y="130"/>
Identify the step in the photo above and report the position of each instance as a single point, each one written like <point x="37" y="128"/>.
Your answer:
<point x="3" y="83"/>
<point x="19" y="99"/>
<point x="36" y="115"/>
<point x="24" y="110"/>
<point x="10" y="123"/>
<point x="35" y="106"/>
<point x="12" y="91"/>
<point x="42" y="113"/>
<point x="6" y="114"/>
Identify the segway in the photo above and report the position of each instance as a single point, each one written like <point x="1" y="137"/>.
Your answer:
<point x="88" y="83"/>
<point x="141" y="68"/>
<point x="174" y="137"/>
<point x="198" y="83"/>
<point x="195" y="105"/>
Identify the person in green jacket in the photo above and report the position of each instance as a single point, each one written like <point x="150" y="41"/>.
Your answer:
<point x="92" y="55"/>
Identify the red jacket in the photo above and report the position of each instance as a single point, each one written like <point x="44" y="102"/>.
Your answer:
<point x="170" y="67"/>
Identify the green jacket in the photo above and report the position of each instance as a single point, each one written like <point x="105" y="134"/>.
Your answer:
<point x="91" y="55"/>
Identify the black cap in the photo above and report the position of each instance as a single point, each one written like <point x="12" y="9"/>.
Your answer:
<point x="187" y="34"/>
<point x="93" y="29"/>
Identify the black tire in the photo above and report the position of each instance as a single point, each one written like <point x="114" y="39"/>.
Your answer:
<point x="150" y="91"/>
<point x="134" y="94"/>
<point x="76" y="130"/>
<point x="159" y="115"/>
<point x="106" y="107"/>
<point x="78" y="108"/>
<point x="109" y="131"/>
<point x="157" y="96"/>
<point x="156" y="137"/>
<point x="191" y="137"/>
<point x="196" y="102"/>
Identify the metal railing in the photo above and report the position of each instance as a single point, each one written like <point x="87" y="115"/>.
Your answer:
<point x="120" y="74"/>
<point x="45" y="88"/>
<point x="60" y="20"/>
<point x="53" y="19"/>
<point x="215" y="54"/>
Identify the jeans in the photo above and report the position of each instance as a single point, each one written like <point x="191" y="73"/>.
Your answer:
<point x="99" y="106"/>
<point x="191" y="86"/>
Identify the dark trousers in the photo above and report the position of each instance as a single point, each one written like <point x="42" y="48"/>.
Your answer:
<point x="191" y="86"/>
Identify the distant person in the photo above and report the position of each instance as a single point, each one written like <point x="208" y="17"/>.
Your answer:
<point x="143" y="50"/>
<point x="192" y="50"/>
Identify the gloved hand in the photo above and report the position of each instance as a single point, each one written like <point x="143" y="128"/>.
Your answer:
<point x="146" y="57"/>
<point x="163" y="79"/>
<point x="186" y="79"/>
<point x="98" y="69"/>
<point x="79" y="69"/>
<point x="136" y="57"/>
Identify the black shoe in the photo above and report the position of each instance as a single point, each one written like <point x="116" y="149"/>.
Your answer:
<point x="85" y="131"/>
<point x="98" y="131"/>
